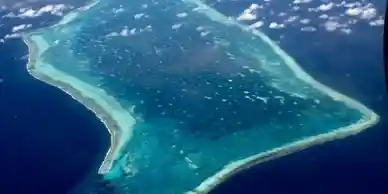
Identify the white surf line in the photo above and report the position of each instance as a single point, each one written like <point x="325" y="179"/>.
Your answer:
<point x="370" y="118"/>
<point x="119" y="125"/>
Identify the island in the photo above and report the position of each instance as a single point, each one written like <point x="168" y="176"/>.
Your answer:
<point x="189" y="96"/>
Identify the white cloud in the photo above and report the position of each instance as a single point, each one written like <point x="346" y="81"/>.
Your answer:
<point x="354" y="4"/>
<point x="305" y="21"/>
<point x="9" y="15"/>
<point x="254" y="6"/>
<point x="366" y="12"/>
<point x="346" y="30"/>
<point x="132" y="31"/>
<point x="281" y="14"/>
<point x="176" y="26"/>
<point x="291" y="19"/>
<point x="246" y="16"/>
<point x="181" y="15"/>
<point x="21" y="27"/>
<point x="308" y="29"/>
<point x="28" y="12"/>
<point x="378" y="22"/>
<point x="325" y="7"/>
<point x="124" y="32"/>
<point x="138" y="16"/>
<point x="301" y="1"/>
<point x="339" y="16"/>
<point x="112" y="34"/>
<point x="14" y="35"/>
<point x="353" y="11"/>
<point x="249" y="13"/>
<point x="119" y="10"/>
<point x="257" y="24"/>
<point x="332" y="25"/>
<point x="275" y="25"/>
<point x="323" y="16"/>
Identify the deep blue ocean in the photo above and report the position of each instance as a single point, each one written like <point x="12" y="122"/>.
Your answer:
<point x="49" y="142"/>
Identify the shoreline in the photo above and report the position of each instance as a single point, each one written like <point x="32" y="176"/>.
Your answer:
<point x="117" y="140"/>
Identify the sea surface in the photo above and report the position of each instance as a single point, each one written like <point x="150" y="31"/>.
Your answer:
<point x="50" y="143"/>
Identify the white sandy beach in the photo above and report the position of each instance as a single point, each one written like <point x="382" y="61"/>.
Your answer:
<point x="122" y="117"/>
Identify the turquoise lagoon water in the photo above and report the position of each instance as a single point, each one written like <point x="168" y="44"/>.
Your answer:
<point x="202" y="92"/>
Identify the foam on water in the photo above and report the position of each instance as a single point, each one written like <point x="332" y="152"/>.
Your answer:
<point x="188" y="95"/>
